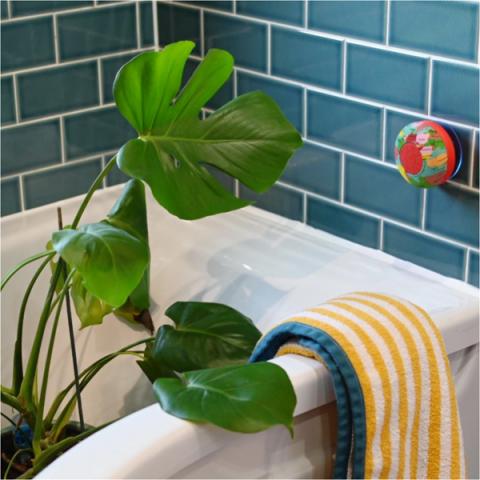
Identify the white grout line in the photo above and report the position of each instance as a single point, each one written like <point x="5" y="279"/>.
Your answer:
<point x="342" y="178"/>
<point x="61" y="165"/>
<point x="236" y="185"/>
<point x="305" y="14"/>
<point x="332" y="36"/>
<point x="384" y="134"/>
<point x="76" y="61"/>
<point x="305" y="206"/>
<point x="21" y="192"/>
<point x="269" y="49"/>
<point x="234" y="5"/>
<point x="155" y="24"/>
<point x="100" y="82"/>
<point x="202" y="33"/>
<point x="429" y="86"/>
<point x="63" y="153"/>
<point x="68" y="11"/>
<point x="423" y="212"/>
<point x="344" y="68"/>
<point x="387" y="22"/>
<point x="305" y="109"/>
<point x="235" y="83"/>
<point x="471" y="166"/>
<point x="467" y="264"/>
<point x="16" y="99"/>
<point x="56" y="39"/>
<point x="138" y="27"/>
<point x="380" y="234"/>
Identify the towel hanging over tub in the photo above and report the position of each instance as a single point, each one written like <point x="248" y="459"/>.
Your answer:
<point x="396" y="403"/>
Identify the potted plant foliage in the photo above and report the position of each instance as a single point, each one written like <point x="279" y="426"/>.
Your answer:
<point x="104" y="267"/>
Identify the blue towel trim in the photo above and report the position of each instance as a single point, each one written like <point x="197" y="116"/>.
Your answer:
<point x="348" y="392"/>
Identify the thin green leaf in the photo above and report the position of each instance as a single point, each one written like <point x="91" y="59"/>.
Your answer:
<point x="249" y="138"/>
<point x="247" y="399"/>
<point x="205" y="335"/>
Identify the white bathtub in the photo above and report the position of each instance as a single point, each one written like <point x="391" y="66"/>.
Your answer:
<point x="268" y="268"/>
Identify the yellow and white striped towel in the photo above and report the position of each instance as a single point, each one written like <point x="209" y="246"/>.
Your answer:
<point x="393" y="384"/>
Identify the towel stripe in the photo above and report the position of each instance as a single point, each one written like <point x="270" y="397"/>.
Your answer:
<point x="383" y="422"/>
<point x="434" y="447"/>
<point x="410" y="424"/>
<point x="402" y="409"/>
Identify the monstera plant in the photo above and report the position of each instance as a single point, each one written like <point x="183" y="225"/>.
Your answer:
<point x="198" y="366"/>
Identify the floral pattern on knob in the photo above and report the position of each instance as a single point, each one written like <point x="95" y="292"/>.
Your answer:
<point x="426" y="154"/>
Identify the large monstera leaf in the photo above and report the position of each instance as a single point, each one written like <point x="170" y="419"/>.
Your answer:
<point x="111" y="257"/>
<point x="249" y="138"/>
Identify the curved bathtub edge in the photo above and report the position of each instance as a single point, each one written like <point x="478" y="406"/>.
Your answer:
<point x="156" y="438"/>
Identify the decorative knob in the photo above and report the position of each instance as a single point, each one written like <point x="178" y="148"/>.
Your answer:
<point x="428" y="154"/>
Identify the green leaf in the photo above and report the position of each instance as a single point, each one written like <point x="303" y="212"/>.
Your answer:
<point x="205" y="335"/>
<point x="110" y="260"/>
<point x="130" y="214"/>
<point x="248" y="398"/>
<point x="151" y="367"/>
<point x="90" y="309"/>
<point x="249" y="138"/>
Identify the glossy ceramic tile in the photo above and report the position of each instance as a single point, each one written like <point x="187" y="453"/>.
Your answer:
<point x="226" y="5"/>
<point x="344" y="123"/>
<point x="246" y="41"/>
<point x="110" y="67"/>
<point x="455" y="94"/>
<point x="473" y="270"/>
<point x="315" y="169"/>
<point x="453" y="212"/>
<point x="279" y="200"/>
<point x="10" y="196"/>
<point x="96" y="132"/>
<point x="382" y="190"/>
<point x="8" y="106"/>
<point x="476" y="161"/>
<point x="362" y="19"/>
<point x="31" y="7"/>
<point x="59" y="183"/>
<point x="3" y="9"/>
<point x="58" y="90"/>
<point x="30" y="146"/>
<point x="289" y="97"/>
<point x="343" y="222"/>
<point x="287" y="11"/>
<point x="146" y="23"/>
<point x="98" y="31"/>
<point x="19" y="53"/>
<point x="319" y="62"/>
<point x="387" y="77"/>
<point x="177" y="23"/>
<point x="445" y="28"/>
<point x="442" y="257"/>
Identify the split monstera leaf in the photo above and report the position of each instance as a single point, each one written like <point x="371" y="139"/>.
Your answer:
<point x="198" y="366"/>
<point x="249" y="138"/>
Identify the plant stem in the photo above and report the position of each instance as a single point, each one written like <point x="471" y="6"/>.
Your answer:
<point x="95" y="185"/>
<point x="72" y="338"/>
<point x="94" y="367"/>
<point x="25" y="262"/>
<point x="26" y="389"/>
<point x="38" y="430"/>
<point x="17" y="355"/>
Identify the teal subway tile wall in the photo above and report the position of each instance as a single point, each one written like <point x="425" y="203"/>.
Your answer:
<point x="348" y="74"/>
